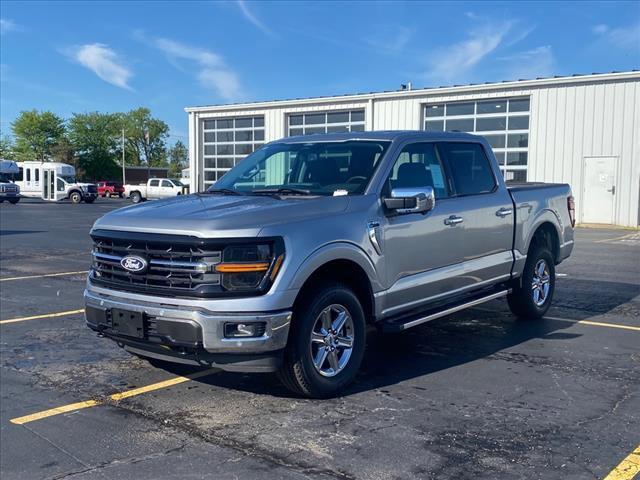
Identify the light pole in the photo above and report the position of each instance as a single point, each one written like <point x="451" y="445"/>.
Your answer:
<point x="124" y="180"/>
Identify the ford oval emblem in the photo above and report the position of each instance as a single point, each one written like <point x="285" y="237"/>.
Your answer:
<point x="134" y="264"/>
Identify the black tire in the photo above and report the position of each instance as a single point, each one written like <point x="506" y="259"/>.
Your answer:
<point x="522" y="300"/>
<point x="75" y="197"/>
<point x="13" y="201"/>
<point x="136" y="197"/>
<point x="120" y="195"/>
<point x="90" y="200"/>
<point x="298" y="372"/>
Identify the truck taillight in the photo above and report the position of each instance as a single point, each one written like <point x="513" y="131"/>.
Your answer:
<point x="571" y="206"/>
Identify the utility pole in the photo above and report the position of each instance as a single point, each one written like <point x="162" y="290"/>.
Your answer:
<point x="123" y="175"/>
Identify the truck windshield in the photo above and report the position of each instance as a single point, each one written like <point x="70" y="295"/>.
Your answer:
<point x="68" y="178"/>
<point x="177" y="183"/>
<point x="314" y="168"/>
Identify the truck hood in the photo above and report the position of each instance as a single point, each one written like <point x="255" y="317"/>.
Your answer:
<point x="217" y="216"/>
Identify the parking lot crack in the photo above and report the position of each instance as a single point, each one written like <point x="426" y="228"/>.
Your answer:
<point x="244" y="448"/>
<point x="117" y="462"/>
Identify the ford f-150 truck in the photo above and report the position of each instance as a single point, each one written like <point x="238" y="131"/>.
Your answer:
<point x="154" y="189"/>
<point x="284" y="262"/>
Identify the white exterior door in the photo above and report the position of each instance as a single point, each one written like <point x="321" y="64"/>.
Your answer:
<point x="599" y="189"/>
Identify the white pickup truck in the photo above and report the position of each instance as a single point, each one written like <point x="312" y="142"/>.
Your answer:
<point x="154" y="188"/>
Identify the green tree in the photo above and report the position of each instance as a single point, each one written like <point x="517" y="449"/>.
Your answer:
<point x="7" y="149"/>
<point x="94" y="137"/>
<point x="178" y="159"/>
<point x="36" y="134"/>
<point x="145" y="138"/>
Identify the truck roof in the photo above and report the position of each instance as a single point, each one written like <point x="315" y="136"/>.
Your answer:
<point x="386" y="135"/>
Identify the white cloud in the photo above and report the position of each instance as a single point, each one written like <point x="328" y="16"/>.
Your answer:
<point x="621" y="37"/>
<point x="454" y="61"/>
<point x="538" y="62"/>
<point x="7" y="25"/>
<point x="104" y="62"/>
<point x="249" y="15"/>
<point x="213" y="73"/>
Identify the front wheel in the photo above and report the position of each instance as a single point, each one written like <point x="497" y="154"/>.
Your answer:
<point x="75" y="197"/>
<point x="532" y="298"/>
<point x="326" y="343"/>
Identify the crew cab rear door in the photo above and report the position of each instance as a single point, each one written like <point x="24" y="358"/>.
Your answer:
<point x="482" y="214"/>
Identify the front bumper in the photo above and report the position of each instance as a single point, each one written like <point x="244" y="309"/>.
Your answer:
<point x="194" y="335"/>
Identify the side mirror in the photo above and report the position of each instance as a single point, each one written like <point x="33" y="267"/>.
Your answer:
<point x="411" y="200"/>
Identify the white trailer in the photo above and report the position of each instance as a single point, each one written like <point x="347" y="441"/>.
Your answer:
<point x="53" y="181"/>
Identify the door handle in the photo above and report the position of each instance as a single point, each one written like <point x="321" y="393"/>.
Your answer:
<point x="503" y="212"/>
<point x="453" y="220"/>
<point x="612" y="190"/>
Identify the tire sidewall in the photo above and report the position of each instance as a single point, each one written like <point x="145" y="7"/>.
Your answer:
<point x="75" y="197"/>
<point x="136" y="197"/>
<point x="337" y="294"/>
<point x="527" y="278"/>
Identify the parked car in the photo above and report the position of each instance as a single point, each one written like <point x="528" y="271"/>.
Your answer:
<point x="154" y="189"/>
<point x="107" y="189"/>
<point x="283" y="263"/>
<point x="8" y="190"/>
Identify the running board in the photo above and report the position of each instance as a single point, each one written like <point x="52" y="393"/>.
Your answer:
<point x="405" y="323"/>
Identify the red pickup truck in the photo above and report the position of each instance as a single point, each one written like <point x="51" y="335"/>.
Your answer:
<point x="110" y="188"/>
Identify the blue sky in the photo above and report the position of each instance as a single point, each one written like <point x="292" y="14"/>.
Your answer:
<point x="113" y="56"/>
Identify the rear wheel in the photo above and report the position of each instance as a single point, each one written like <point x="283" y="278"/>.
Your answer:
<point x="75" y="197"/>
<point x="136" y="197"/>
<point x="532" y="298"/>
<point x="326" y="343"/>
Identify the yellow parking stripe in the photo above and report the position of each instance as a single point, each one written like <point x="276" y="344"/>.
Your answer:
<point x="9" y="279"/>
<point x="45" y="315"/>
<point x="628" y="468"/>
<point x="595" y="324"/>
<point x="116" y="397"/>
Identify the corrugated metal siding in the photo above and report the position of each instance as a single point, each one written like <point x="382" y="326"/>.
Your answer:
<point x="592" y="120"/>
<point x="567" y="123"/>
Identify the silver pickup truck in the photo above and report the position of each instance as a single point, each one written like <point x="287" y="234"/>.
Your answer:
<point x="284" y="262"/>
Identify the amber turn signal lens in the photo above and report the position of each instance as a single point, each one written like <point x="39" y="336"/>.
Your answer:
<point x="242" y="267"/>
<point x="276" y="267"/>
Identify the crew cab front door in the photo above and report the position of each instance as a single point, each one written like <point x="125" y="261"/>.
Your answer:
<point x="462" y="243"/>
<point x="153" y="188"/>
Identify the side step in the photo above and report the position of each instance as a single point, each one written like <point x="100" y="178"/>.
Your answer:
<point x="406" y="322"/>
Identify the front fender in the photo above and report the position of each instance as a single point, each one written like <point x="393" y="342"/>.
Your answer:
<point x="330" y="252"/>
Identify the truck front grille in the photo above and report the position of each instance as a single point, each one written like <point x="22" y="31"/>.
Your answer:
<point x="176" y="265"/>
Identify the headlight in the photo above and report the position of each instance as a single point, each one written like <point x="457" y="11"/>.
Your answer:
<point x="250" y="267"/>
<point x="2" y="188"/>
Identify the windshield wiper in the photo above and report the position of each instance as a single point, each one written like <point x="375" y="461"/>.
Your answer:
<point x="281" y="190"/>
<point x="224" y="191"/>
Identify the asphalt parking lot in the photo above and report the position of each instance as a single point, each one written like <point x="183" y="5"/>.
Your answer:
<point x="474" y="395"/>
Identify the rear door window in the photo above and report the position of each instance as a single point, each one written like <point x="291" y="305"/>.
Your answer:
<point x="154" y="183"/>
<point x="469" y="167"/>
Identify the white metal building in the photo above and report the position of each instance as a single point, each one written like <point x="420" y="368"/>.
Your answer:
<point x="583" y="130"/>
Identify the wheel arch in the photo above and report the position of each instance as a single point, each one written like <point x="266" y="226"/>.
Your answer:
<point x="343" y="263"/>
<point x="546" y="234"/>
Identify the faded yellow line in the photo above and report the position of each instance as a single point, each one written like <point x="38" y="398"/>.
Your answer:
<point x="9" y="279"/>
<point x="627" y="468"/>
<point x="45" y="315"/>
<point x="595" y="324"/>
<point x="623" y="237"/>
<point x="116" y="397"/>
